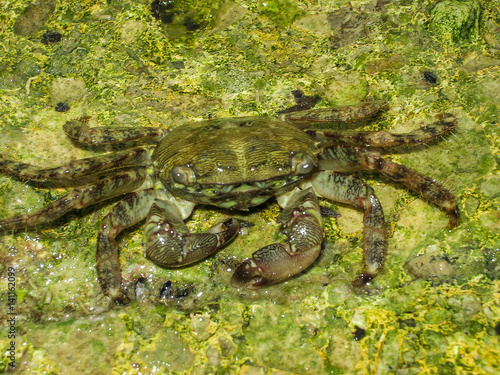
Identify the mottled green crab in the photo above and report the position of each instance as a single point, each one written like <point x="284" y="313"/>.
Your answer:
<point x="235" y="164"/>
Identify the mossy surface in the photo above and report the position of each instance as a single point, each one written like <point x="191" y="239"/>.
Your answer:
<point x="434" y="308"/>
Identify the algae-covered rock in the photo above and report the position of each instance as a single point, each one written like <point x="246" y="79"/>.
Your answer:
<point x="455" y="21"/>
<point x="34" y="17"/>
<point x="346" y="89"/>
<point x="281" y="12"/>
<point x="491" y="33"/>
<point x="67" y="89"/>
<point x="182" y="16"/>
<point x="429" y="267"/>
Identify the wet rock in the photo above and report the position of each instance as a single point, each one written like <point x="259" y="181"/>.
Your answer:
<point x="51" y="37"/>
<point x="281" y="12"/>
<point x="489" y="186"/>
<point x="315" y="23"/>
<point x="387" y="64"/>
<point x="492" y="262"/>
<point x="227" y="347"/>
<point x="62" y="107"/>
<point x="27" y="68"/>
<point x="349" y="25"/>
<point x="33" y="18"/>
<point x="455" y="21"/>
<point x="67" y="89"/>
<point x="491" y="34"/>
<point x="181" y="17"/>
<point x="201" y="326"/>
<point x="474" y="62"/>
<point x="345" y="88"/>
<point x="170" y="352"/>
<point x="430" y="77"/>
<point x="430" y="267"/>
<point x="464" y="307"/>
<point x="177" y="64"/>
<point x="213" y="356"/>
<point x="228" y="14"/>
<point x="132" y="31"/>
<point x="22" y="72"/>
<point x="343" y="353"/>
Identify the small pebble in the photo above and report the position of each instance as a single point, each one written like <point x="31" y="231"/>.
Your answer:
<point x="177" y="64"/>
<point x="51" y="37"/>
<point x="430" y="77"/>
<point x="430" y="267"/>
<point x="62" y="107"/>
<point x="33" y="18"/>
<point x="359" y="333"/>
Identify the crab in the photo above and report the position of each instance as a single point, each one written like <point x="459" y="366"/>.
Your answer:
<point x="235" y="164"/>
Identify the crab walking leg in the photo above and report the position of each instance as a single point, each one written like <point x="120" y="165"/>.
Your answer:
<point x="78" y="168"/>
<point x="78" y="130"/>
<point x="426" y="187"/>
<point x="422" y="135"/>
<point x="168" y="242"/>
<point x="337" y="114"/>
<point x="350" y="159"/>
<point x="80" y="197"/>
<point x="303" y="225"/>
<point x="126" y="213"/>
<point x="347" y="189"/>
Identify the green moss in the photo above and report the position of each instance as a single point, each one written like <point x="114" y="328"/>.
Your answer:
<point x="180" y="17"/>
<point x="281" y="12"/>
<point x="455" y="21"/>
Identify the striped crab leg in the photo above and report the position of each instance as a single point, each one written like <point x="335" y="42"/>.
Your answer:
<point x="343" y="188"/>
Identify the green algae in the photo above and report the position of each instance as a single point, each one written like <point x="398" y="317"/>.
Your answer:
<point x="245" y="59"/>
<point x="281" y="12"/>
<point x="456" y="20"/>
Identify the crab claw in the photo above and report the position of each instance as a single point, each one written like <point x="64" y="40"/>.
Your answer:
<point x="303" y="225"/>
<point x="265" y="267"/>
<point x="248" y="275"/>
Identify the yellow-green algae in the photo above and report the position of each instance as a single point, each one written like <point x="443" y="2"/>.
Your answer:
<point x="118" y="64"/>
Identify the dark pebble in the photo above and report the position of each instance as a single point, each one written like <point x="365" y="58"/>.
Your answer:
<point x="169" y="291"/>
<point x="62" y="107"/>
<point x="430" y="77"/>
<point x="359" y="333"/>
<point x="177" y="64"/>
<point x="51" y="37"/>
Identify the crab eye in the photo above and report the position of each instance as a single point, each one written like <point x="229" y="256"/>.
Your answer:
<point x="183" y="175"/>
<point x="302" y="164"/>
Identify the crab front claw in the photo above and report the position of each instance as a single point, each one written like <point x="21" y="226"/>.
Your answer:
<point x="303" y="225"/>
<point x="249" y="274"/>
<point x="266" y="266"/>
<point x="168" y="242"/>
